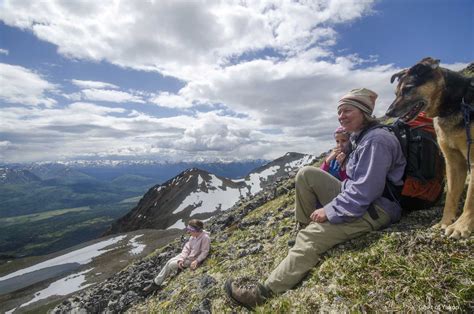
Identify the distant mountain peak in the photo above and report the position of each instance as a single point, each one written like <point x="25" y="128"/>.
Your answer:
<point x="17" y="176"/>
<point x="196" y="193"/>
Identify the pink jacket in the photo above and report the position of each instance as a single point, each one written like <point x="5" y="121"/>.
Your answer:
<point x="197" y="248"/>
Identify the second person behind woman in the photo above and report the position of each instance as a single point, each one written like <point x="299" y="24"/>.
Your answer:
<point x="335" y="161"/>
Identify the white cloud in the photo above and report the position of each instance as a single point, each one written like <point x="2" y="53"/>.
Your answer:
<point x="177" y="38"/>
<point x="23" y="86"/>
<point x="294" y="92"/>
<point x="213" y="132"/>
<point x="4" y="52"/>
<point x="455" y="66"/>
<point x="166" y="99"/>
<point x="5" y="143"/>
<point x="269" y="66"/>
<point x="93" y="84"/>
<point x="94" y="94"/>
<point x="82" y="129"/>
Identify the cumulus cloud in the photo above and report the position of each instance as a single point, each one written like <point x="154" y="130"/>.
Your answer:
<point x="23" y="86"/>
<point x="166" y="99"/>
<point x="94" y="94"/>
<point x="290" y="93"/>
<point x="265" y="71"/>
<point x="4" y="52"/>
<point x="184" y="39"/>
<point x="87" y="129"/>
<point x="93" y="84"/>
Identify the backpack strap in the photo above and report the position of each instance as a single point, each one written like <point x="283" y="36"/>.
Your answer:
<point x="359" y="137"/>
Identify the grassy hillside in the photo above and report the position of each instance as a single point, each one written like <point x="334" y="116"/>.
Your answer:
<point x="408" y="267"/>
<point x="47" y="232"/>
<point x="41" y="217"/>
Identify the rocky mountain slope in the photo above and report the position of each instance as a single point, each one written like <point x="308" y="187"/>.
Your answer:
<point x="407" y="267"/>
<point x="199" y="194"/>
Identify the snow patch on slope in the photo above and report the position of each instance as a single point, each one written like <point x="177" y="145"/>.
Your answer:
<point x="137" y="247"/>
<point x="63" y="286"/>
<point x="178" y="225"/>
<point x="299" y="162"/>
<point x="215" y="198"/>
<point x="255" y="179"/>
<point x="81" y="256"/>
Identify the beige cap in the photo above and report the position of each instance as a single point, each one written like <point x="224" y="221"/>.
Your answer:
<point x="362" y="98"/>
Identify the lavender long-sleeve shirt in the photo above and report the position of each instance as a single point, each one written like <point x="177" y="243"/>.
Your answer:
<point x="377" y="157"/>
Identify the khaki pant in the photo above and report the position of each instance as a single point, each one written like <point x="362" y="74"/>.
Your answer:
<point x="170" y="268"/>
<point x="317" y="186"/>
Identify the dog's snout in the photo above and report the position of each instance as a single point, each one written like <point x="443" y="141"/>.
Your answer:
<point x="390" y="111"/>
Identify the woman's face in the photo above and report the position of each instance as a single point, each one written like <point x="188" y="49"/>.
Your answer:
<point x="341" y="141"/>
<point x="351" y="118"/>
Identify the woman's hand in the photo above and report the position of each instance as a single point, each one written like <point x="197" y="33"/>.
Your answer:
<point x="194" y="265"/>
<point x="319" y="215"/>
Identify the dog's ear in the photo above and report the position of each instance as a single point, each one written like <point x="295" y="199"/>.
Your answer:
<point x="398" y="75"/>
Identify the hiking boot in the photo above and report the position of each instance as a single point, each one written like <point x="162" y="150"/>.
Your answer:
<point x="249" y="296"/>
<point x="150" y="288"/>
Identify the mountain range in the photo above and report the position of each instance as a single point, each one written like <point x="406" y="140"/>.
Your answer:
<point x="196" y="193"/>
<point x="49" y="206"/>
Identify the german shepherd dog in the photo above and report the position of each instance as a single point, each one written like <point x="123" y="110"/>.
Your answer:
<point x="440" y="92"/>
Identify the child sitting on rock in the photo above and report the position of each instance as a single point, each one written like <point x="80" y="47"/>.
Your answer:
<point x="194" y="252"/>
<point x="335" y="162"/>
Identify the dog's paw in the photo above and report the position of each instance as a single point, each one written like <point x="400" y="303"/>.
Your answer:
<point x="441" y="225"/>
<point x="458" y="230"/>
<point x="446" y="221"/>
<point x="436" y="226"/>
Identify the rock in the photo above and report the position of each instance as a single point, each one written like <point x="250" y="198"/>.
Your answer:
<point x="204" y="307"/>
<point x="283" y="231"/>
<point x="127" y="299"/>
<point x="206" y="281"/>
<point x="226" y="222"/>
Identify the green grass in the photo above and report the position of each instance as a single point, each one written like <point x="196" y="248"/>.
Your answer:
<point x="40" y="216"/>
<point x="46" y="232"/>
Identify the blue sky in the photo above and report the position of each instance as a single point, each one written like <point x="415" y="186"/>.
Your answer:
<point x="187" y="80"/>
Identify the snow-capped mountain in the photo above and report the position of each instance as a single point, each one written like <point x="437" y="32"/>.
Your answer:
<point x="196" y="193"/>
<point x="17" y="176"/>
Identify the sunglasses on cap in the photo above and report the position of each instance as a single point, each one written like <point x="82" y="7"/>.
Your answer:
<point x="192" y="229"/>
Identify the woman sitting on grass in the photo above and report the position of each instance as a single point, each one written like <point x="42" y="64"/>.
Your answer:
<point x="330" y="211"/>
